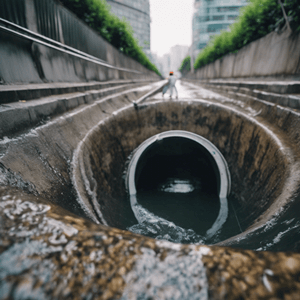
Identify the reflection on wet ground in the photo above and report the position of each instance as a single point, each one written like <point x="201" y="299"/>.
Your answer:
<point x="188" y="91"/>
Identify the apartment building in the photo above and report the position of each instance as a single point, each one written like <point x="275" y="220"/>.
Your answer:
<point x="137" y="13"/>
<point x="212" y="16"/>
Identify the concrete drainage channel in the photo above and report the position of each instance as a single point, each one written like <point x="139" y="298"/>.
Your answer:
<point x="76" y="215"/>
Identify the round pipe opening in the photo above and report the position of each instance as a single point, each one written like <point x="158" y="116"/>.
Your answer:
<point x="178" y="179"/>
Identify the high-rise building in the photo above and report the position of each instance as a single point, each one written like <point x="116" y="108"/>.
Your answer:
<point x="164" y="63"/>
<point x="171" y="61"/>
<point x="137" y="13"/>
<point x="212" y="16"/>
<point x="177" y="55"/>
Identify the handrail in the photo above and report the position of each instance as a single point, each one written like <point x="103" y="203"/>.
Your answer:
<point x="93" y="59"/>
<point x="45" y="38"/>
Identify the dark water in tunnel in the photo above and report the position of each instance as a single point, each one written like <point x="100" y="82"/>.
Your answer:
<point x="191" y="210"/>
<point x="177" y="198"/>
<point x="180" y="211"/>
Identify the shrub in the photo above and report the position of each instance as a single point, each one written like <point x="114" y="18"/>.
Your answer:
<point x="256" y="20"/>
<point x="185" y="65"/>
<point x="97" y="15"/>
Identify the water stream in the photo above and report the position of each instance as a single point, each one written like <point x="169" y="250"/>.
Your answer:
<point x="181" y="211"/>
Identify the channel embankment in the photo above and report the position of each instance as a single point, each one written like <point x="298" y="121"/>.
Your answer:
<point x="75" y="160"/>
<point x="275" y="55"/>
<point x="69" y="123"/>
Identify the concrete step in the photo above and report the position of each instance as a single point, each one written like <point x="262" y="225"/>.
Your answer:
<point x="287" y="100"/>
<point x="278" y="87"/>
<point x="236" y="89"/>
<point x="19" y="117"/>
<point x="14" y="93"/>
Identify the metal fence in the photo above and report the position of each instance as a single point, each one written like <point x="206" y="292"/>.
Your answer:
<point x="55" y="22"/>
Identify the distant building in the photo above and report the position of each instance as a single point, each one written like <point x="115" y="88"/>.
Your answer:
<point x="210" y="17"/>
<point x="171" y="61"/>
<point x="137" y="13"/>
<point x="177" y="55"/>
<point x="165" y="63"/>
<point x="156" y="60"/>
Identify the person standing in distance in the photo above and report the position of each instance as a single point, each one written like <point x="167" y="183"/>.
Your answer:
<point x="171" y="85"/>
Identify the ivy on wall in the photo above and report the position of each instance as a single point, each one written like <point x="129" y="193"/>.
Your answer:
<point x="185" y="65"/>
<point x="97" y="15"/>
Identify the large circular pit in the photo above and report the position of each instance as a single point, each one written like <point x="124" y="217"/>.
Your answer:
<point x="254" y="156"/>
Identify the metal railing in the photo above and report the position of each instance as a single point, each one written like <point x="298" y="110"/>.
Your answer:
<point x="24" y="33"/>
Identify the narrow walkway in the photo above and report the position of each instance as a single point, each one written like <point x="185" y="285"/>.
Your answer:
<point x="188" y="91"/>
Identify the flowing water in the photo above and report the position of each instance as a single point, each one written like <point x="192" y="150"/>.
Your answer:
<point x="181" y="211"/>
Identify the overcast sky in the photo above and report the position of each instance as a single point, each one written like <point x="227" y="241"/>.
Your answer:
<point x="171" y="24"/>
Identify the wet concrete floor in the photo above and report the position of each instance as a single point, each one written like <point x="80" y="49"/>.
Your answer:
<point x="188" y="91"/>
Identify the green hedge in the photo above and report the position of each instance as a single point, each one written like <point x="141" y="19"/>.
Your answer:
<point x="256" y="20"/>
<point x="96" y="13"/>
<point x="185" y="65"/>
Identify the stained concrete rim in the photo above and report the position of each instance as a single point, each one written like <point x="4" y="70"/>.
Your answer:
<point x="225" y="179"/>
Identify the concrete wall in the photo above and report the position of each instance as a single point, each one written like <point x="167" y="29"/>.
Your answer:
<point x="30" y="58"/>
<point x="277" y="54"/>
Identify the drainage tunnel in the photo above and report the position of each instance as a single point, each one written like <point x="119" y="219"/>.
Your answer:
<point x="178" y="158"/>
<point x="177" y="176"/>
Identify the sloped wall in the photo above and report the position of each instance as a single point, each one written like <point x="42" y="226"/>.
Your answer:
<point x="277" y="54"/>
<point x="30" y="58"/>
